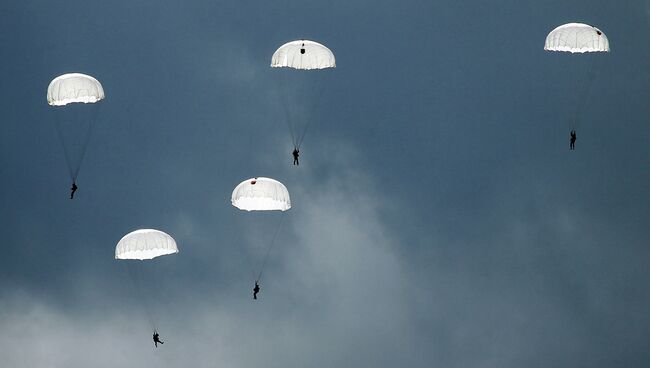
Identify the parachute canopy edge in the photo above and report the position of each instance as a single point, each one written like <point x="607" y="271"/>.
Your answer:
<point x="74" y="88"/>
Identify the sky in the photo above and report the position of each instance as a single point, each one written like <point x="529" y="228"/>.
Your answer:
<point x="438" y="220"/>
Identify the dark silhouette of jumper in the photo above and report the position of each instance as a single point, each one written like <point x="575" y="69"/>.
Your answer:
<point x="572" y="140"/>
<point x="73" y="189"/>
<point x="156" y="339"/>
<point x="256" y="290"/>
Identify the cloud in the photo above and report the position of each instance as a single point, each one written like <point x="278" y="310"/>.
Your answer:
<point x="334" y="294"/>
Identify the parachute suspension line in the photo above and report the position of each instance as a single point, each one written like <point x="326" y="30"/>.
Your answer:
<point x="66" y="153"/>
<point x="84" y="148"/>
<point x="268" y="250"/>
<point x="250" y="265"/>
<point x="583" y="95"/>
<point x="310" y="114"/>
<point x="74" y="167"/>
<point x="150" y="312"/>
<point x="285" y="103"/>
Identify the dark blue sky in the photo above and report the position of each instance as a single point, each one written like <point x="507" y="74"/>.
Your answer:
<point x="439" y="218"/>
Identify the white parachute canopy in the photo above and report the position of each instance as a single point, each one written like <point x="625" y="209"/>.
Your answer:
<point x="261" y="194"/>
<point x="576" y="38"/>
<point x="74" y="88"/>
<point x="303" y="54"/>
<point x="145" y="244"/>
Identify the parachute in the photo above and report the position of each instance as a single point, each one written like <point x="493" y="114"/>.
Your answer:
<point x="146" y="245"/>
<point x="261" y="194"/>
<point x="74" y="88"/>
<point x="578" y="38"/>
<point x="304" y="55"/>
<point x="264" y="195"/>
<point x="303" y="64"/>
<point x="75" y="97"/>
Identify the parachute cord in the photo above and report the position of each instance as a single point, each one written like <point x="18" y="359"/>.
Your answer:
<point x="84" y="148"/>
<point x="250" y="263"/>
<point x="66" y="154"/>
<point x="250" y="266"/>
<point x="583" y="94"/>
<point x="143" y="300"/>
<point x="285" y="103"/>
<point x="268" y="250"/>
<point x="73" y="168"/>
<point x="310" y="115"/>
